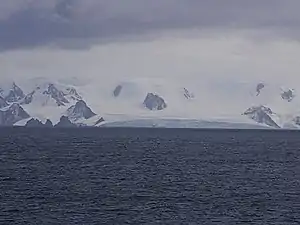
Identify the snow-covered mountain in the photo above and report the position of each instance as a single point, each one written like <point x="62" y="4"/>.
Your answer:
<point x="148" y="102"/>
<point x="262" y="115"/>
<point x="79" y="111"/>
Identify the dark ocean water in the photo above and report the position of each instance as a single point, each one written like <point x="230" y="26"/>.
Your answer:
<point x="149" y="176"/>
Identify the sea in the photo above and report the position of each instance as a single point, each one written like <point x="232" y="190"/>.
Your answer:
<point x="149" y="176"/>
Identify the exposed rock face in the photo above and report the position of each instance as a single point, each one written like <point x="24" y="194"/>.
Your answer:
<point x="259" y="87"/>
<point x="28" y="98"/>
<point x="47" y="93"/>
<point x="154" y="102"/>
<point x="65" y="123"/>
<point x="262" y="115"/>
<point x="118" y="90"/>
<point x="73" y="94"/>
<point x="15" y="94"/>
<point x="56" y="94"/>
<point x="80" y="111"/>
<point x="48" y="123"/>
<point x="187" y="94"/>
<point x="34" y="123"/>
<point x="3" y="103"/>
<point x="12" y="114"/>
<point x="288" y="95"/>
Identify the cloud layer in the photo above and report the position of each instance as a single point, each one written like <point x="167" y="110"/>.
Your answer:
<point x="28" y="23"/>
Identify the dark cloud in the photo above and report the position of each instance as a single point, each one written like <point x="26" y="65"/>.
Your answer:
<point x="29" y="23"/>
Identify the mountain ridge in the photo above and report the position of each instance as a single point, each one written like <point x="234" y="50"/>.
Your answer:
<point x="84" y="106"/>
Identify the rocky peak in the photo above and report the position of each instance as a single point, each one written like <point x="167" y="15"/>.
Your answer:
<point x="259" y="87"/>
<point x="34" y="123"/>
<point x="64" y="122"/>
<point x="118" y="90"/>
<point x="80" y="111"/>
<point x="12" y="114"/>
<point x="261" y="114"/>
<point x="15" y="94"/>
<point x="288" y="95"/>
<point x="47" y="93"/>
<point x="56" y="94"/>
<point x="37" y="123"/>
<point x="154" y="102"/>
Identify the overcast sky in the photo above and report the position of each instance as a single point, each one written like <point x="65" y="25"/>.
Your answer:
<point x="229" y="31"/>
<point x="26" y="23"/>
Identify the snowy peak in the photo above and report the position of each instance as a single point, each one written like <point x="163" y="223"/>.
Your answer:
<point x="154" y="102"/>
<point x="262" y="115"/>
<point x="51" y="94"/>
<point x="79" y="111"/>
<point x="56" y="94"/>
<point x="15" y="94"/>
<point x="12" y="114"/>
<point x="12" y="93"/>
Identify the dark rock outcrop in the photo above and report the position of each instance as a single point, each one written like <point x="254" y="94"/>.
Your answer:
<point x="154" y="102"/>
<point x="99" y="121"/>
<point x="48" y="123"/>
<point x="262" y="115"/>
<point x="80" y="111"/>
<point x="296" y="120"/>
<point x="187" y="94"/>
<point x="34" y="123"/>
<point x="64" y="122"/>
<point x="118" y="90"/>
<point x="37" y="123"/>
<point x="15" y="94"/>
<point x="61" y="96"/>
<point x="12" y="114"/>
<point x="288" y="95"/>
<point x="259" y="87"/>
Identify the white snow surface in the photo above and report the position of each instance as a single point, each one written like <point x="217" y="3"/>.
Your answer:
<point x="214" y="102"/>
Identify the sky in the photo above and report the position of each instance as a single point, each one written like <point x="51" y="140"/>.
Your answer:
<point x="224" y="41"/>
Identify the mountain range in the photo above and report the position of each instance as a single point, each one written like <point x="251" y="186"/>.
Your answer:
<point x="43" y="103"/>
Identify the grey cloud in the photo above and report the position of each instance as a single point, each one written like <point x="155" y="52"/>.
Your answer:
<point x="29" y="23"/>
